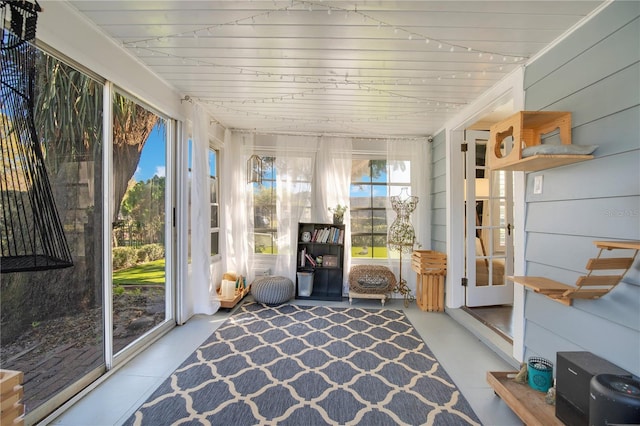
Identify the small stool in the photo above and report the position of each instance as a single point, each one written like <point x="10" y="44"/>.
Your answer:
<point x="370" y="282"/>
<point x="272" y="290"/>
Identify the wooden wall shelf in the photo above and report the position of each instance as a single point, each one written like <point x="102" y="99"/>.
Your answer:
<point x="543" y="162"/>
<point x="526" y="129"/>
<point x="588" y="286"/>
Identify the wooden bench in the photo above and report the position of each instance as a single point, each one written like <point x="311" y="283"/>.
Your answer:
<point x="590" y="286"/>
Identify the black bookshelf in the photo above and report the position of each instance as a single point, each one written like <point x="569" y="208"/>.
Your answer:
<point x="326" y="240"/>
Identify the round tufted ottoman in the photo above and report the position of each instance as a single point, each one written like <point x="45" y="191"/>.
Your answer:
<point x="272" y="290"/>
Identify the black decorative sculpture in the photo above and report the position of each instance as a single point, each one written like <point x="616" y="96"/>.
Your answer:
<point x="31" y="234"/>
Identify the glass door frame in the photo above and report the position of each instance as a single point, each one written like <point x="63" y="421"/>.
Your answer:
<point x="113" y="360"/>
<point x="491" y="292"/>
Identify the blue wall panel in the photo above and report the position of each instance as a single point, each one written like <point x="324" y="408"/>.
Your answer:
<point x="438" y="194"/>
<point x="595" y="74"/>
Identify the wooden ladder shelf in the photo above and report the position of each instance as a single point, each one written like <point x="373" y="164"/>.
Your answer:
<point x="590" y="286"/>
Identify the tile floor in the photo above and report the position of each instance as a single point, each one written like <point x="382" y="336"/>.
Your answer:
<point x="462" y="354"/>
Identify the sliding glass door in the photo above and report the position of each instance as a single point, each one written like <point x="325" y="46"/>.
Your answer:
<point x="64" y="324"/>
<point x="52" y="319"/>
<point x="141" y="232"/>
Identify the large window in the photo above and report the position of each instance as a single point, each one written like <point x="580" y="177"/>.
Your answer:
<point x="265" y="225"/>
<point x="373" y="181"/>
<point x="213" y="182"/>
<point x="214" y="190"/>
<point x="285" y="184"/>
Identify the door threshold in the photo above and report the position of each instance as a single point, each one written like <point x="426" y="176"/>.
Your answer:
<point x="487" y="336"/>
<point x="491" y="326"/>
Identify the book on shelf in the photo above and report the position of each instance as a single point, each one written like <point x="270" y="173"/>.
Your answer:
<point x="325" y="235"/>
<point x="311" y="260"/>
<point x="303" y="252"/>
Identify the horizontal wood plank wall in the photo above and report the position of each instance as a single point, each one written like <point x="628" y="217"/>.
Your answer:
<point x="438" y="194"/>
<point x="595" y="74"/>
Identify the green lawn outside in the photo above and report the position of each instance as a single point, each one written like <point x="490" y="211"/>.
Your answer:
<point x="144" y="273"/>
<point x="153" y="272"/>
<point x="378" y="252"/>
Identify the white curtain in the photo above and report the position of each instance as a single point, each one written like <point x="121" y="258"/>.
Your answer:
<point x="332" y="185"/>
<point x="312" y="175"/>
<point x="236" y="202"/>
<point x="200" y="293"/>
<point x="295" y="160"/>
<point x="184" y="293"/>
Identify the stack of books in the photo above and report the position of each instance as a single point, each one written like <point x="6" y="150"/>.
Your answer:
<point x="328" y="235"/>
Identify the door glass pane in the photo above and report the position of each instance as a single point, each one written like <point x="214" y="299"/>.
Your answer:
<point x="379" y="196"/>
<point x="52" y="327"/>
<point x="214" y="216"/>
<point x="214" y="243"/>
<point x="139" y="165"/>
<point x="490" y="221"/>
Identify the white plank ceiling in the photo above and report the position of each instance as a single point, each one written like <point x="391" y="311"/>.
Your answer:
<point x="368" y="68"/>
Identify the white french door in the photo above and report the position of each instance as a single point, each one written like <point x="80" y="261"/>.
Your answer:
<point x="488" y="226"/>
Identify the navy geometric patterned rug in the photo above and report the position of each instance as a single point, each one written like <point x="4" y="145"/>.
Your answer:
<point x="298" y="365"/>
